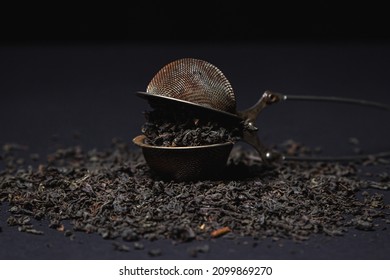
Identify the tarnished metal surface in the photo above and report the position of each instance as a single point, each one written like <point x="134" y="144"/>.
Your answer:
<point x="186" y="163"/>
<point x="195" y="81"/>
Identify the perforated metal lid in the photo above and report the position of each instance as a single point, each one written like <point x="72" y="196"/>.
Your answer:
<point x="195" y="81"/>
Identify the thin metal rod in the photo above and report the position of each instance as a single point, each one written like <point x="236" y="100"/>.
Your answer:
<point x="337" y="100"/>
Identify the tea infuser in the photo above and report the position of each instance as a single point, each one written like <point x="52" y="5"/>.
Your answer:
<point x="198" y="86"/>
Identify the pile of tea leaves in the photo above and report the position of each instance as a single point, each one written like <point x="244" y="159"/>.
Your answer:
<point x="112" y="192"/>
<point x="182" y="129"/>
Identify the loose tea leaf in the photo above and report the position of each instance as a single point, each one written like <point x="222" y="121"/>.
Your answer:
<point x="219" y="232"/>
<point x="155" y="252"/>
<point x="111" y="192"/>
<point x="121" y="247"/>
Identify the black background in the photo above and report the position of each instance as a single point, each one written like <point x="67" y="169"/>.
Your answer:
<point x="200" y="21"/>
<point x="70" y="68"/>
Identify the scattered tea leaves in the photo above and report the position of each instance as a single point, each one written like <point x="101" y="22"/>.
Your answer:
<point x="111" y="192"/>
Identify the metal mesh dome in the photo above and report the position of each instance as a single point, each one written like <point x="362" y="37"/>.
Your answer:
<point x="195" y="81"/>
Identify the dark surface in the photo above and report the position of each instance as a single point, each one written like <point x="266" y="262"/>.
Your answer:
<point x="206" y="21"/>
<point x="90" y="90"/>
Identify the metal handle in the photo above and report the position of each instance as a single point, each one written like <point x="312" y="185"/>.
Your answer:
<point x="251" y="114"/>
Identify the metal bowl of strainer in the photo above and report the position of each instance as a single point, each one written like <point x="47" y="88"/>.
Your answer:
<point x="186" y="163"/>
